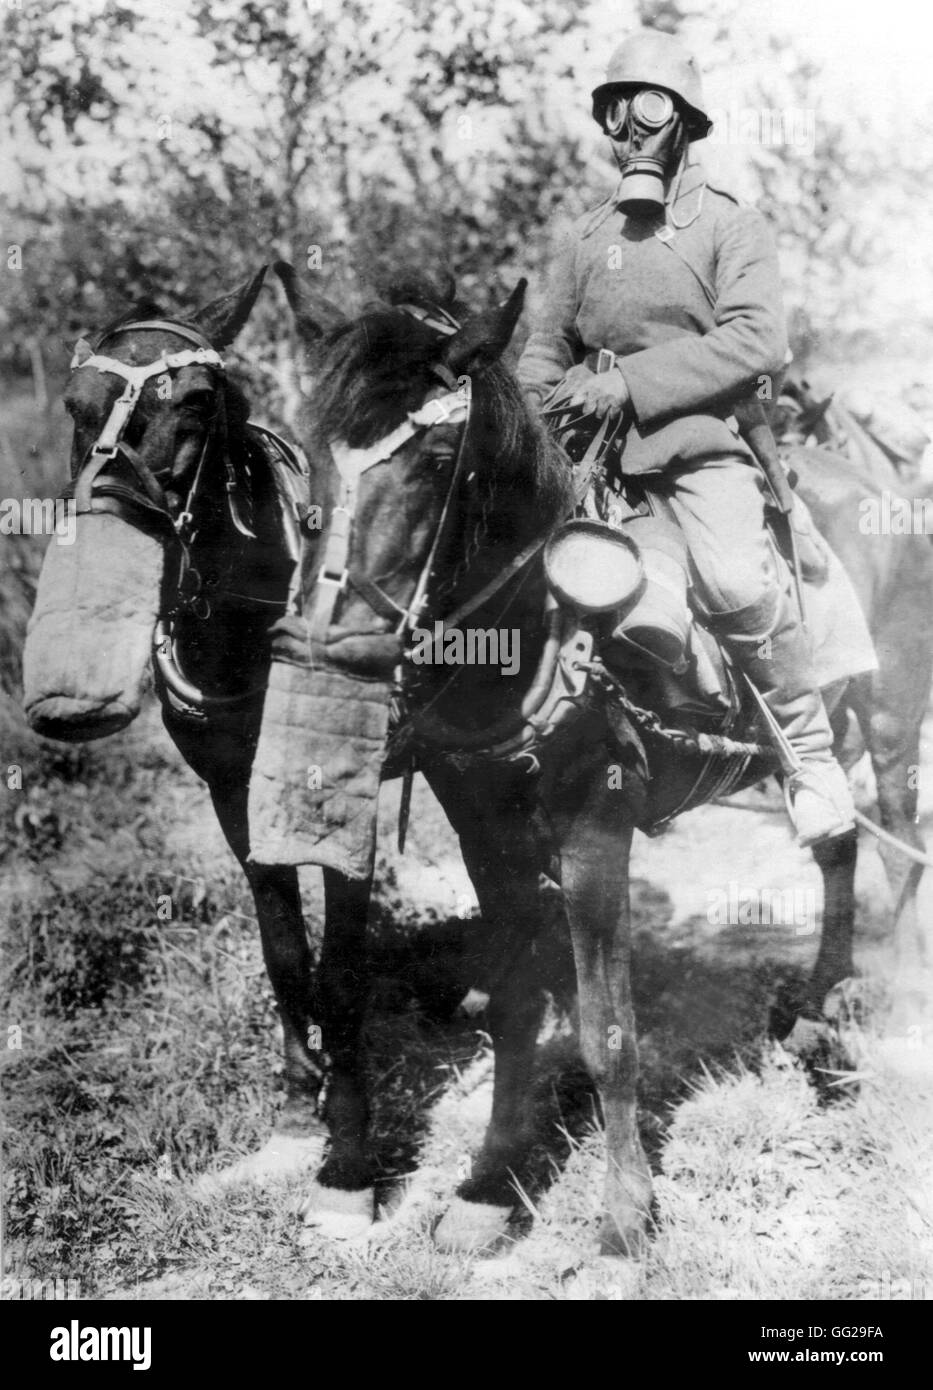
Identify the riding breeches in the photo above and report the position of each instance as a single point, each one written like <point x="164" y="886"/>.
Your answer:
<point x="719" y="506"/>
<point x="745" y="587"/>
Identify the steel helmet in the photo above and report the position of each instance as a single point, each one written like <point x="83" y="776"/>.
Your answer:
<point x="652" y="58"/>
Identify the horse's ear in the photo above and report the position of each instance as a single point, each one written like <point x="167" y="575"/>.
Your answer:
<point x="314" y="315"/>
<point x="221" y="320"/>
<point x="485" y="338"/>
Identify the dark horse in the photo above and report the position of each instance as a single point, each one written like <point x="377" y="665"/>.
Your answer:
<point x="472" y="496"/>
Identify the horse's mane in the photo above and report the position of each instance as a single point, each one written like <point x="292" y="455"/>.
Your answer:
<point x="377" y="368"/>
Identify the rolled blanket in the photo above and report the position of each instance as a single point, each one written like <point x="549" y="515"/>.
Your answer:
<point x="315" y="779"/>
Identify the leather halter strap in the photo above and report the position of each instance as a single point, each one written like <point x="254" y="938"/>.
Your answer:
<point x="181" y="330"/>
<point x="335" y="574"/>
<point x="110" y="442"/>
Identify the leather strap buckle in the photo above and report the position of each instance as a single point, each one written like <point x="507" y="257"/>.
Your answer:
<point x="339" y="581"/>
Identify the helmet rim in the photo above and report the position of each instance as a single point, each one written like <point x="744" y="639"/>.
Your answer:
<point x="655" y="59"/>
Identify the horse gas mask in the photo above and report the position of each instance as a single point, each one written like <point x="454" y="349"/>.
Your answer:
<point x="648" y="140"/>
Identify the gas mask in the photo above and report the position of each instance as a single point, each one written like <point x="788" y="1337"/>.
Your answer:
<point x="648" y="140"/>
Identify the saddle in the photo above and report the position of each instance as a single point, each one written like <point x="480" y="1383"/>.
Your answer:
<point x="623" y="566"/>
<point x="624" y="558"/>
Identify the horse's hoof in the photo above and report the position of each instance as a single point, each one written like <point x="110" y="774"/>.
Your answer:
<point x="282" y="1156"/>
<point x="336" y="1213"/>
<point x="810" y="1039"/>
<point x="821" y="1050"/>
<point x="468" y="1227"/>
<point x="852" y="1000"/>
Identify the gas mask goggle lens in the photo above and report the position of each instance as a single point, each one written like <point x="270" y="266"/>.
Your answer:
<point x="647" y="109"/>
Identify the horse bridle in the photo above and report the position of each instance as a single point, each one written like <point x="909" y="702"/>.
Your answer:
<point x="95" y="491"/>
<point x="335" y="574"/>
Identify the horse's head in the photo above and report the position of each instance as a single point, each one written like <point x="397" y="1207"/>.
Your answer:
<point x="436" y="469"/>
<point x="153" y="413"/>
<point x="799" y="412"/>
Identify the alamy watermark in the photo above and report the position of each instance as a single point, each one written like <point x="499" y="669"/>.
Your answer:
<point x="891" y="515"/>
<point x="472" y="646"/>
<point x="14" y="1290"/>
<point x="735" y="906"/>
<point x="39" y="516"/>
<point x="901" y="1290"/>
<point x="788" y="126"/>
<point x="77" y="1343"/>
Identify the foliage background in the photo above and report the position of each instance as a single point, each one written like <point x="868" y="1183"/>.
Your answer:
<point x="168" y="148"/>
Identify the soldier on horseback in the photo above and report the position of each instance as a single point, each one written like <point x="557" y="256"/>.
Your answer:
<point x="677" y="286"/>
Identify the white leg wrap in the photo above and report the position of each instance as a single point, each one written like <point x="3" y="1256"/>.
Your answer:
<point x="471" y="1226"/>
<point x="337" y="1214"/>
<point x="282" y="1156"/>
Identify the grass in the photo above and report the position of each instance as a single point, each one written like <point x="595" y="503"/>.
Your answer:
<point x="150" y="1053"/>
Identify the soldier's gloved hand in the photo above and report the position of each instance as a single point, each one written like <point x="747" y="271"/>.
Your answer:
<point x="596" y="393"/>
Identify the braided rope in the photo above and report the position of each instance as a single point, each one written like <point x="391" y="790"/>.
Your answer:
<point x="683" y="740"/>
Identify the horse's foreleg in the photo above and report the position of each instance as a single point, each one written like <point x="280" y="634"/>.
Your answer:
<point x="486" y="1198"/>
<point x="890" y="714"/>
<point x="594" y="875"/>
<point x="289" y="964"/>
<point x="836" y="859"/>
<point x="897" y="805"/>
<point x="298" y="1138"/>
<point x="503" y="857"/>
<point x="802" y="1019"/>
<point x="342" y="1200"/>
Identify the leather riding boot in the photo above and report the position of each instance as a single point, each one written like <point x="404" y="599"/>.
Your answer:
<point x="773" y="649"/>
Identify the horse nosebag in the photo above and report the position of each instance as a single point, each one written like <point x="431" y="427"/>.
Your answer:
<point x="314" y="785"/>
<point x="86" y="657"/>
